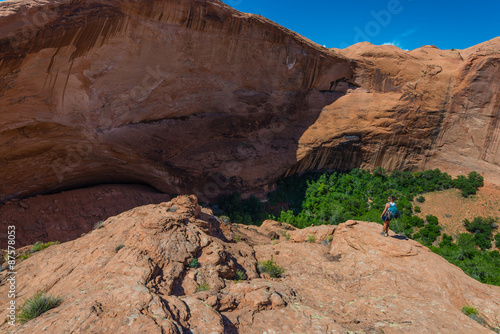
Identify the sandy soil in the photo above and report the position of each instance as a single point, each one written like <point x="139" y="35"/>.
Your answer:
<point x="451" y="208"/>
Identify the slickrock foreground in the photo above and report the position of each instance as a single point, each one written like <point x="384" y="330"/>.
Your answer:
<point x="359" y="282"/>
<point x="192" y="96"/>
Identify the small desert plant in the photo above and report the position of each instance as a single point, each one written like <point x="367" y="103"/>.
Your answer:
<point x="469" y="310"/>
<point x="237" y="238"/>
<point x="203" y="287"/>
<point x="225" y="219"/>
<point x="39" y="303"/>
<point x="311" y="238"/>
<point x="194" y="263"/>
<point x="417" y="209"/>
<point x="38" y="246"/>
<point x="240" y="275"/>
<point x="472" y="313"/>
<point x="270" y="267"/>
<point x="328" y="239"/>
<point x="24" y="256"/>
<point x="117" y="248"/>
<point x="98" y="225"/>
<point x="173" y="208"/>
<point x="421" y="199"/>
<point x="287" y="237"/>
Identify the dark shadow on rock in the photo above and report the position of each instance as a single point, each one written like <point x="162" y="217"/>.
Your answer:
<point x="229" y="327"/>
<point x="399" y="237"/>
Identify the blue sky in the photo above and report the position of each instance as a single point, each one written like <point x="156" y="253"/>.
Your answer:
<point x="408" y="24"/>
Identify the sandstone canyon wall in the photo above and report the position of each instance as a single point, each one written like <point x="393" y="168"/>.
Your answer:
<point x="162" y="92"/>
<point x="193" y="96"/>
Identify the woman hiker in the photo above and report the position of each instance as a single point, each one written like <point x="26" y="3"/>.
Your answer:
<point x="389" y="213"/>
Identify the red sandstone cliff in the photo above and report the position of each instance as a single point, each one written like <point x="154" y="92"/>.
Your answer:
<point x="194" y="97"/>
<point x="163" y="92"/>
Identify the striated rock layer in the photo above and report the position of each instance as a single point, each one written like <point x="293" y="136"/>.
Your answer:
<point x="193" y="96"/>
<point x="134" y="276"/>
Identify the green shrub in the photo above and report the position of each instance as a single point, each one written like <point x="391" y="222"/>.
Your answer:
<point x="117" y="248"/>
<point x="194" y="263"/>
<point x="24" y="256"/>
<point x="284" y="234"/>
<point x="328" y="239"/>
<point x="480" y="265"/>
<point x="416" y="221"/>
<point x="240" y="275"/>
<point x="225" y="219"/>
<point x="417" y="209"/>
<point x="38" y="246"/>
<point x="469" y="185"/>
<point x="447" y="241"/>
<point x="497" y="240"/>
<point x="431" y="219"/>
<point x="469" y="310"/>
<point x="39" y="303"/>
<point x="98" y="225"/>
<point x="311" y="238"/>
<point x="241" y="211"/>
<point x="430" y="232"/>
<point x="270" y="267"/>
<point x="482" y="228"/>
<point x="421" y="199"/>
<point x="203" y="287"/>
<point x="472" y="312"/>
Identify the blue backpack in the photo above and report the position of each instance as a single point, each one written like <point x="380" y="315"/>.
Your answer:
<point x="393" y="212"/>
